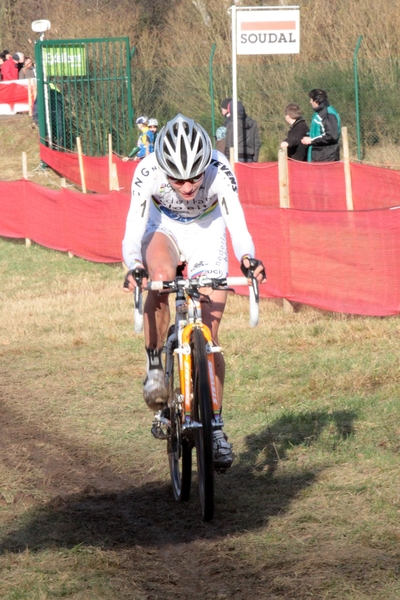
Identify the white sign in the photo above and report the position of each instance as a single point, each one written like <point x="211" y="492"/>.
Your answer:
<point x="268" y="31"/>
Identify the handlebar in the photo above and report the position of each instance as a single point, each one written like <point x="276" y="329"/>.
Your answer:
<point x="191" y="286"/>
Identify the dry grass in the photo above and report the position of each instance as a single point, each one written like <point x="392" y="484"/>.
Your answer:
<point x="18" y="135"/>
<point x="309" y="509"/>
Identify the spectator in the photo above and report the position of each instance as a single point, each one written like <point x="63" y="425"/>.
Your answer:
<point x="248" y="136"/>
<point x="323" y="139"/>
<point x="153" y="127"/>
<point x="9" y="69"/>
<point x="21" y="61"/>
<point x="298" y="129"/>
<point x="28" y="70"/>
<point x="145" y="142"/>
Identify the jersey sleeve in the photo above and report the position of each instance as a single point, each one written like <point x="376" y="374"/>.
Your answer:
<point x="141" y="192"/>
<point x="232" y="211"/>
<point x="329" y="130"/>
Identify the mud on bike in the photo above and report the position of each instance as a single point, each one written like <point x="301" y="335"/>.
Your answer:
<point x="193" y="411"/>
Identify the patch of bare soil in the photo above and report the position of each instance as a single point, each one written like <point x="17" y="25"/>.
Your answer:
<point x="159" y="542"/>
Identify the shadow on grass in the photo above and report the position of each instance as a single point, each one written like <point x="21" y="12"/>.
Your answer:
<point x="146" y="515"/>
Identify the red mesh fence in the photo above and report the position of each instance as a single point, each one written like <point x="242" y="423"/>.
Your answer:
<point x="374" y="187"/>
<point x="96" y="169"/>
<point x="317" y="253"/>
<point x="90" y="226"/>
<point x="312" y="186"/>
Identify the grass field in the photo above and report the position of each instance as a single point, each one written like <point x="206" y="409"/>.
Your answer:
<point x="310" y="508"/>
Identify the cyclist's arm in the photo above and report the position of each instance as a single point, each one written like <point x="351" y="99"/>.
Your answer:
<point x="138" y="214"/>
<point x="226" y="188"/>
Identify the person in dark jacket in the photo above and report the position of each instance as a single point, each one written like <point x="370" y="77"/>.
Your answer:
<point x="248" y="136"/>
<point x="323" y="139"/>
<point x="298" y="129"/>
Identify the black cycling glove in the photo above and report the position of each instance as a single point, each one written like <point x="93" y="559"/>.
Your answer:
<point x="138" y="274"/>
<point x="254" y="263"/>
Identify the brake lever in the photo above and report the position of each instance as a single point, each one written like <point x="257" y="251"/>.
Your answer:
<point x="138" y="275"/>
<point x="254" y="284"/>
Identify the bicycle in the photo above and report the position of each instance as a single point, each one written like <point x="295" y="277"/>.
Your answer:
<point x="193" y="410"/>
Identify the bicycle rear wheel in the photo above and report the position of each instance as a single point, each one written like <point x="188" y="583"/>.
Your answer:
<point x="202" y="413"/>
<point x="179" y="447"/>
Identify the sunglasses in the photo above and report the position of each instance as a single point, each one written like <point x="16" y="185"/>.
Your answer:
<point x="182" y="181"/>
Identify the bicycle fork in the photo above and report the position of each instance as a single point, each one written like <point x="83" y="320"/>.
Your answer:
<point x="185" y="374"/>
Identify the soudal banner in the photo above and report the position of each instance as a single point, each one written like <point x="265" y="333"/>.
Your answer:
<point x="268" y="31"/>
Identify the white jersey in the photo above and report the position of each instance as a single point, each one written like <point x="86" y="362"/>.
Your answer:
<point x="218" y="193"/>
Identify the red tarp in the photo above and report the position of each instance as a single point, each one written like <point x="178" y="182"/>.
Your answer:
<point x="12" y="93"/>
<point x="335" y="260"/>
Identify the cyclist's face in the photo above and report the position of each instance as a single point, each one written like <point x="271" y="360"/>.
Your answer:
<point x="186" y="189"/>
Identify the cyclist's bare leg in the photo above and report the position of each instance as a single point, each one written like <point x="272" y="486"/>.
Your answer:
<point x="160" y="259"/>
<point x="212" y="316"/>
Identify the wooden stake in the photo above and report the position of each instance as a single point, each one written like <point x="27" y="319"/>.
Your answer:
<point x="81" y="169"/>
<point x="63" y="184"/>
<point x="284" y="202"/>
<point x="114" y="185"/>
<point x="288" y="307"/>
<point x="24" y="166"/>
<point x="284" y="198"/>
<point x="347" y="172"/>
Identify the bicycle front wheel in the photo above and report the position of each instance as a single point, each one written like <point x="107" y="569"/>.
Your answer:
<point x="179" y="448"/>
<point x="202" y="413"/>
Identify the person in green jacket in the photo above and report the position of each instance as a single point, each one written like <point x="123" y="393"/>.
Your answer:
<point x="324" y="136"/>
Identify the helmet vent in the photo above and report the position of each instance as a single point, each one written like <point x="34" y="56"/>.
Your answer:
<point x="183" y="148"/>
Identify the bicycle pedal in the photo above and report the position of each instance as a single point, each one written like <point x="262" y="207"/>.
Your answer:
<point x="159" y="433"/>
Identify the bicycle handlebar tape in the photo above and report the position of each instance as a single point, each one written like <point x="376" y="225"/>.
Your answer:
<point x="254" y="307"/>
<point x="138" y="311"/>
<point x="138" y="274"/>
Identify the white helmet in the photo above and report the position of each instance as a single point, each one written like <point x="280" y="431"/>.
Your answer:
<point x="153" y="123"/>
<point x="183" y="148"/>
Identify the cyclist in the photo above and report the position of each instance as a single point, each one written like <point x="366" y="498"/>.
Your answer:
<point x="184" y="195"/>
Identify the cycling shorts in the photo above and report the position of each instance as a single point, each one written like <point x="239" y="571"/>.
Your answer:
<point x="200" y="242"/>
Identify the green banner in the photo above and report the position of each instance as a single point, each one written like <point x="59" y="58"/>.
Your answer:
<point x="65" y="61"/>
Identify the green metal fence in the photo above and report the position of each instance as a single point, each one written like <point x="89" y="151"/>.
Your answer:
<point x="84" y="90"/>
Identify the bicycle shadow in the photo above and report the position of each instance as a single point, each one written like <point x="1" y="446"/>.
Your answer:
<point x="255" y="490"/>
<point x="266" y="487"/>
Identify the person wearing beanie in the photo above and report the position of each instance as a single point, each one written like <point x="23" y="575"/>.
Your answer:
<point x="224" y="105"/>
<point x="248" y="136"/>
